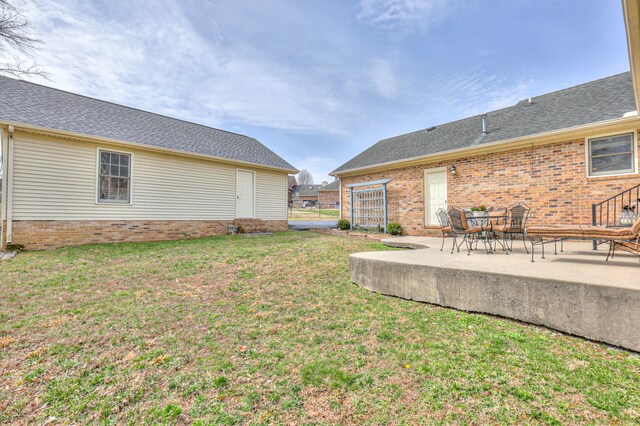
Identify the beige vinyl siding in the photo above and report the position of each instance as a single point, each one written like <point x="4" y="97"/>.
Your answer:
<point x="55" y="179"/>
<point x="271" y="195"/>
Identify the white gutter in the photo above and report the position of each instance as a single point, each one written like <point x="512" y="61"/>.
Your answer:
<point x="7" y="183"/>
<point x="98" y="139"/>
<point x="487" y="146"/>
<point x="3" y="204"/>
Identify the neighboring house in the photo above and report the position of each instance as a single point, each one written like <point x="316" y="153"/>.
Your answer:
<point x="325" y="195"/>
<point x="304" y="196"/>
<point x="291" y="183"/>
<point x="329" y="195"/>
<point x="558" y="153"/>
<point x="80" y="170"/>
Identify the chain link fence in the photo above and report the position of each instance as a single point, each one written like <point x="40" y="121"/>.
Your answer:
<point x="315" y="211"/>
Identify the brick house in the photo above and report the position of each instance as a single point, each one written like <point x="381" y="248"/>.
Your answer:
<point x="79" y="170"/>
<point x="329" y="195"/>
<point x="559" y="153"/>
<point x="304" y="196"/>
<point x="325" y="195"/>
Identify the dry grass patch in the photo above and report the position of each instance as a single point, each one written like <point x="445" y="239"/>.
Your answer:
<point x="264" y="330"/>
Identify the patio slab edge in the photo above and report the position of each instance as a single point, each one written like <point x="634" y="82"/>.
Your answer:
<point x="602" y="313"/>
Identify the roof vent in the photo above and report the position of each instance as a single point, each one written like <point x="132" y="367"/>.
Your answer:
<point x="431" y="128"/>
<point x="529" y="101"/>
<point x="484" y="124"/>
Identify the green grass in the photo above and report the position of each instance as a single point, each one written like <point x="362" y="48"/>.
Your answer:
<point x="313" y="214"/>
<point x="236" y="330"/>
<point x="331" y="212"/>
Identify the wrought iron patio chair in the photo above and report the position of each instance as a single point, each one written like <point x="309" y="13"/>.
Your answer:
<point x="514" y="226"/>
<point x="445" y="228"/>
<point x="460" y="228"/>
<point x="497" y="218"/>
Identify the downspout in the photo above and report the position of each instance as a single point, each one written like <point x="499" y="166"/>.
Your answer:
<point x="7" y="182"/>
<point x="3" y="188"/>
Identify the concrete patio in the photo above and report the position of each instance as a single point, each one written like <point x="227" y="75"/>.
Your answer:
<point x="576" y="292"/>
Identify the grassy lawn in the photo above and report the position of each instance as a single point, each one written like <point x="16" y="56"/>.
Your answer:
<point x="314" y="214"/>
<point x="270" y="330"/>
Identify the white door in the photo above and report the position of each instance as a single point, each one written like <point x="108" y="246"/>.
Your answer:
<point x="244" y="194"/>
<point x="435" y="189"/>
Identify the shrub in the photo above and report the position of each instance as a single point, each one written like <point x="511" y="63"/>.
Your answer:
<point x="344" y="224"/>
<point x="394" y="228"/>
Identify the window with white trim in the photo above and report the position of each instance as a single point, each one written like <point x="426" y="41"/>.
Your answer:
<point x="612" y="155"/>
<point x="114" y="177"/>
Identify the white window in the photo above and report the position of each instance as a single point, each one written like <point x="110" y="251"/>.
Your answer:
<point x="612" y="155"/>
<point x="114" y="177"/>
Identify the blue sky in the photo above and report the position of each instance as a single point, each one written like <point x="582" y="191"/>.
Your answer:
<point x="320" y="81"/>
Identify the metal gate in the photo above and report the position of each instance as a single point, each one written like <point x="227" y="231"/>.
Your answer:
<point x="368" y="205"/>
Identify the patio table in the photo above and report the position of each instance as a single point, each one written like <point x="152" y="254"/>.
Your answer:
<point x="482" y="221"/>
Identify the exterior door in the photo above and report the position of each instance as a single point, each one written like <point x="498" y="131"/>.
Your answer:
<point x="435" y="190"/>
<point x="244" y="194"/>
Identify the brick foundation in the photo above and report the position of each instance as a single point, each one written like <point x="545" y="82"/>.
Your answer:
<point x="48" y="234"/>
<point x="258" y="225"/>
<point x="551" y="179"/>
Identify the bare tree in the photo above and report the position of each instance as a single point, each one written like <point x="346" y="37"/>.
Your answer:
<point x="16" y="41"/>
<point x="304" y="177"/>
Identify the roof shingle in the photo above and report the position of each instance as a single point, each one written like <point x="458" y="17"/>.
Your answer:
<point x="305" y="190"/>
<point x="34" y="104"/>
<point x="333" y="186"/>
<point x="599" y="100"/>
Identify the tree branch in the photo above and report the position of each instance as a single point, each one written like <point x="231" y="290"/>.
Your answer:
<point x="15" y="37"/>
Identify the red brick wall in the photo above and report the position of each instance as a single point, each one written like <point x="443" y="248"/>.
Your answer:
<point x="259" y="225"/>
<point x="298" y="201"/>
<point x="328" y="199"/>
<point x="47" y="234"/>
<point x="550" y="179"/>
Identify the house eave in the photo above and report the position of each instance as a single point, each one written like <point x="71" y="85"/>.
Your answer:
<point x="82" y="137"/>
<point x="631" y="13"/>
<point x="544" y="138"/>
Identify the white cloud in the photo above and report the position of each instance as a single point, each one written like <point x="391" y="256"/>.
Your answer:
<point x="317" y="166"/>
<point x="383" y="79"/>
<point x="264" y="93"/>
<point x="155" y="59"/>
<point x="402" y="14"/>
<point x="474" y="91"/>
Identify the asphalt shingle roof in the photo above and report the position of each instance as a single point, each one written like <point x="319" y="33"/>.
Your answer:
<point x="305" y="190"/>
<point x="38" y="105"/>
<point x="333" y="186"/>
<point x="599" y="100"/>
